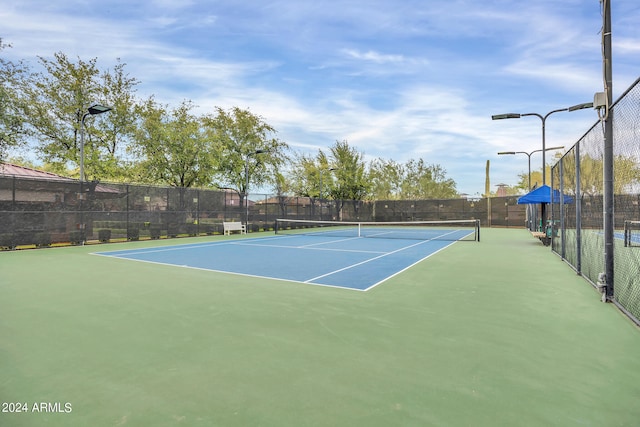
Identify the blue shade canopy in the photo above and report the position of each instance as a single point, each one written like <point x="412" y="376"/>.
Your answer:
<point x="542" y="194"/>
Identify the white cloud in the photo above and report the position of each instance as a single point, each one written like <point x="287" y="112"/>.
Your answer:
<point x="396" y="79"/>
<point x="373" y="56"/>
<point x="626" y="46"/>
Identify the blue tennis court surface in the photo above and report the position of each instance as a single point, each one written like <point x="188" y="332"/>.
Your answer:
<point x="354" y="263"/>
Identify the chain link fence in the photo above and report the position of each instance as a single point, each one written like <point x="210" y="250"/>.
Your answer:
<point x="578" y="217"/>
<point x="43" y="212"/>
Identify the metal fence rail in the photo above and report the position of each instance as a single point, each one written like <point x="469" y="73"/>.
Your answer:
<point x="578" y="176"/>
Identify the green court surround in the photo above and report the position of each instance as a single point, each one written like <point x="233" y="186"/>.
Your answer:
<point x="496" y="333"/>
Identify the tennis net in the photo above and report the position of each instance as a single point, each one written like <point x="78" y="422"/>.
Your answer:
<point x="453" y="230"/>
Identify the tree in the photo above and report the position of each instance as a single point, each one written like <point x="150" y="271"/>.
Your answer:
<point x="58" y="99"/>
<point x="13" y="129"/>
<point x="352" y="182"/>
<point x="119" y="128"/>
<point x="412" y="180"/>
<point x="386" y="178"/>
<point x="627" y="174"/>
<point x="173" y="146"/>
<point x="282" y="187"/>
<point x="311" y="177"/>
<point x="424" y="181"/>
<point x="249" y="154"/>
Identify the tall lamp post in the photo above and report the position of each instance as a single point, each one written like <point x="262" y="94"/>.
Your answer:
<point x="529" y="156"/>
<point x="544" y="120"/>
<point x="91" y="111"/>
<point x="246" y="188"/>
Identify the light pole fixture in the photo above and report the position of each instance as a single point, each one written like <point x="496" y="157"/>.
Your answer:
<point x="91" y="111"/>
<point x="246" y="188"/>
<point x="544" y="120"/>
<point x="529" y="156"/>
<point x="581" y="106"/>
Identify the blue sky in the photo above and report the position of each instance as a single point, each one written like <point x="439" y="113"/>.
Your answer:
<point x="398" y="79"/>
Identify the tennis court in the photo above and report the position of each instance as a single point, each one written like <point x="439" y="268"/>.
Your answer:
<point x="497" y="332"/>
<point x="358" y="257"/>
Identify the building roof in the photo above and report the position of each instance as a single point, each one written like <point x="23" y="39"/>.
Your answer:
<point x="9" y="169"/>
<point x="25" y="172"/>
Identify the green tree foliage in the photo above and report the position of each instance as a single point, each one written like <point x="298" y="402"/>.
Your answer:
<point x="343" y="175"/>
<point x="523" y="182"/>
<point x="150" y="142"/>
<point x="424" y="181"/>
<point x="312" y="176"/>
<point x="173" y="146"/>
<point x="249" y="153"/>
<point x="351" y="178"/>
<point x="386" y="177"/>
<point x="282" y="188"/>
<point x="536" y="176"/>
<point x="352" y="181"/>
<point x="110" y="156"/>
<point x="627" y="174"/>
<point x="58" y="99"/>
<point x="410" y="181"/>
<point x="13" y="129"/>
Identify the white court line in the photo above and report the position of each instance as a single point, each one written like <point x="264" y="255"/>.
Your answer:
<point x="151" y="250"/>
<point x="375" y="258"/>
<point x="365" y="261"/>
<point x="409" y="266"/>
<point x="321" y="243"/>
<point x="232" y="273"/>
<point x="332" y="241"/>
<point x="123" y="254"/>
<point x="308" y="248"/>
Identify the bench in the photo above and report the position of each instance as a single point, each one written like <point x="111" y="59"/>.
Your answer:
<point x="542" y="236"/>
<point x="234" y="226"/>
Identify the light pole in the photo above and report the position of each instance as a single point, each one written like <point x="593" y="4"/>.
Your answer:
<point x="544" y="120"/>
<point x="529" y="156"/>
<point x="91" y="111"/>
<point x="246" y="188"/>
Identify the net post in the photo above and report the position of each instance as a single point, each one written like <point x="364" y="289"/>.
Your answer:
<point x="627" y="233"/>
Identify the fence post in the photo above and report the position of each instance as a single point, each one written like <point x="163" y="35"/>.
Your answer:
<point x="562" y="213"/>
<point x="608" y="222"/>
<point x="127" y="215"/>
<point x="578" y="202"/>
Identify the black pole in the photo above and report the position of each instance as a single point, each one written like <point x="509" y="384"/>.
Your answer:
<point x="608" y="153"/>
<point x="578" y="202"/>
<point x="562" y="212"/>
